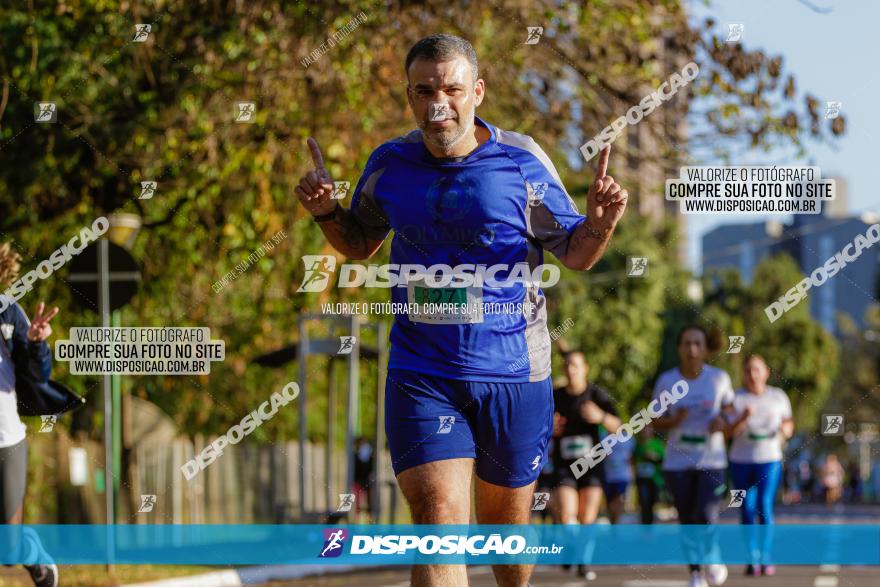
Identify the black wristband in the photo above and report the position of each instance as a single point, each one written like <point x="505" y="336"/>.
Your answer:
<point x="328" y="216"/>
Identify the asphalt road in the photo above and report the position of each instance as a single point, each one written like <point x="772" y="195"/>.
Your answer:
<point x="621" y="576"/>
<point x="618" y="576"/>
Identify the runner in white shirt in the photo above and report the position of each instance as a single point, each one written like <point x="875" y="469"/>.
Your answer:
<point x="763" y="422"/>
<point x="696" y="458"/>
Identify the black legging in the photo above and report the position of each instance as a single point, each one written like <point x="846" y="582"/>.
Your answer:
<point x="697" y="496"/>
<point x="649" y="493"/>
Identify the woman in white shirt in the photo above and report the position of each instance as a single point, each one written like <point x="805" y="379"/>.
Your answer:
<point x="695" y="464"/>
<point x="763" y="423"/>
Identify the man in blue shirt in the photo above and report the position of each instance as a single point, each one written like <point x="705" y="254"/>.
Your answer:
<point x="469" y="384"/>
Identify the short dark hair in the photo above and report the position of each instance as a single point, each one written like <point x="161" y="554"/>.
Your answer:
<point x="571" y="354"/>
<point x="443" y="47"/>
<point x="687" y="327"/>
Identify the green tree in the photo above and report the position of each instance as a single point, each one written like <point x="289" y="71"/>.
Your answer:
<point x="802" y="356"/>
<point x="163" y="110"/>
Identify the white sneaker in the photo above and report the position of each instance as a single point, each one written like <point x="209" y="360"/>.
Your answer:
<point x="697" y="580"/>
<point x="717" y="574"/>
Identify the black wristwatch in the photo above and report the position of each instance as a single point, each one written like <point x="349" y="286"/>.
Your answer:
<point x="328" y="216"/>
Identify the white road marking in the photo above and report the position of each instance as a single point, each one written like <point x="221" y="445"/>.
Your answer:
<point x="825" y="581"/>
<point x="654" y="583"/>
<point x="227" y="578"/>
<point x="829" y="568"/>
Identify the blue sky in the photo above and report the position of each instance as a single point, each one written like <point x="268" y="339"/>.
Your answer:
<point x="832" y="56"/>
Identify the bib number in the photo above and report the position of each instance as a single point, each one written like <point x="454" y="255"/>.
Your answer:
<point x="756" y="436"/>
<point x="575" y="447"/>
<point x="444" y="305"/>
<point x="689" y="442"/>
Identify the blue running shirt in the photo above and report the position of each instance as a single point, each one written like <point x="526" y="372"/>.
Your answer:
<point x="504" y="203"/>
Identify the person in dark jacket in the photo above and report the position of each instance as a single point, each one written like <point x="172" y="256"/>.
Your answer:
<point x="23" y="350"/>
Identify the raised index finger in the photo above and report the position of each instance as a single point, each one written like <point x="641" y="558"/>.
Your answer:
<point x="316" y="153"/>
<point x="602" y="168"/>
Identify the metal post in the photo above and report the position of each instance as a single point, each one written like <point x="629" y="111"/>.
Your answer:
<point x="329" y="465"/>
<point x="301" y="378"/>
<point x="116" y="384"/>
<point x="353" y="425"/>
<point x="379" y="445"/>
<point x="109" y="482"/>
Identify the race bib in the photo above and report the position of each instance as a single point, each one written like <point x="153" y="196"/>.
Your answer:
<point x="575" y="447"/>
<point x="444" y="305"/>
<point x="691" y="442"/>
<point x="757" y="435"/>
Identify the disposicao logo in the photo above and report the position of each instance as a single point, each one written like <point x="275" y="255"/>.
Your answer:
<point x="334" y="540"/>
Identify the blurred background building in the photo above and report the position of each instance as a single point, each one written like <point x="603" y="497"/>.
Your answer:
<point x="810" y="239"/>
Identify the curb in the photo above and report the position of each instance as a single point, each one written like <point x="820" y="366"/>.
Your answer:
<point x="250" y="576"/>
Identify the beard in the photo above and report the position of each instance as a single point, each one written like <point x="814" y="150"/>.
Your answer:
<point x="444" y="138"/>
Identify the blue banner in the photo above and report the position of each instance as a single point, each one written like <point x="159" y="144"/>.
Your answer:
<point x="400" y="544"/>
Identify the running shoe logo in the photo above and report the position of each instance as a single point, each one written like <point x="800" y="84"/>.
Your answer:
<point x="638" y="266"/>
<point x="346" y="500"/>
<point x="46" y="112"/>
<point x="536" y="463"/>
<point x="247" y="112"/>
<point x="346" y="344"/>
<point x="340" y="190"/>
<point x="446" y="423"/>
<point x="318" y="270"/>
<point x="141" y="32"/>
<point x="832" y="109"/>
<point x="736" y="498"/>
<point x="735" y="32"/>
<point x="536" y="193"/>
<point x="48" y="423"/>
<point x="540" y="501"/>
<point x="534" y="33"/>
<point x="148" y="502"/>
<point x="148" y="190"/>
<point x="833" y="424"/>
<point x="333" y="541"/>
<point x="440" y="112"/>
<point x="736" y="344"/>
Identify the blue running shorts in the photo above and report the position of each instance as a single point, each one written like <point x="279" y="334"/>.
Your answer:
<point x="505" y="427"/>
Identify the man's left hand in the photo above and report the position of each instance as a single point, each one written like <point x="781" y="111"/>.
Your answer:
<point x="606" y="200"/>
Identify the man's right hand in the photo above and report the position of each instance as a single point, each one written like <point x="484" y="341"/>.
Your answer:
<point x="559" y="422"/>
<point x="315" y="189"/>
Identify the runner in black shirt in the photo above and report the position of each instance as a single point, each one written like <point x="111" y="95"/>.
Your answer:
<point x="580" y="408"/>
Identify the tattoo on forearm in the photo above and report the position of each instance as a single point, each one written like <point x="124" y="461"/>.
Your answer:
<point x="585" y="232"/>
<point x="351" y="232"/>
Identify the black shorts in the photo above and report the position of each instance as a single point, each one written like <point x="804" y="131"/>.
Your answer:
<point x="13" y="478"/>
<point x="593" y="477"/>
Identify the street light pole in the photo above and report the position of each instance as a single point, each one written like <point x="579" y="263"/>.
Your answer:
<point x="104" y="308"/>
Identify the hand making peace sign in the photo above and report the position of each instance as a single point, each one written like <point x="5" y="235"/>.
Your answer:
<point x="40" y="329"/>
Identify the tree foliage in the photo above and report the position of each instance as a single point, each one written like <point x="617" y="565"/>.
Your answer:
<point x="163" y="110"/>
<point x="802" y="356"/>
